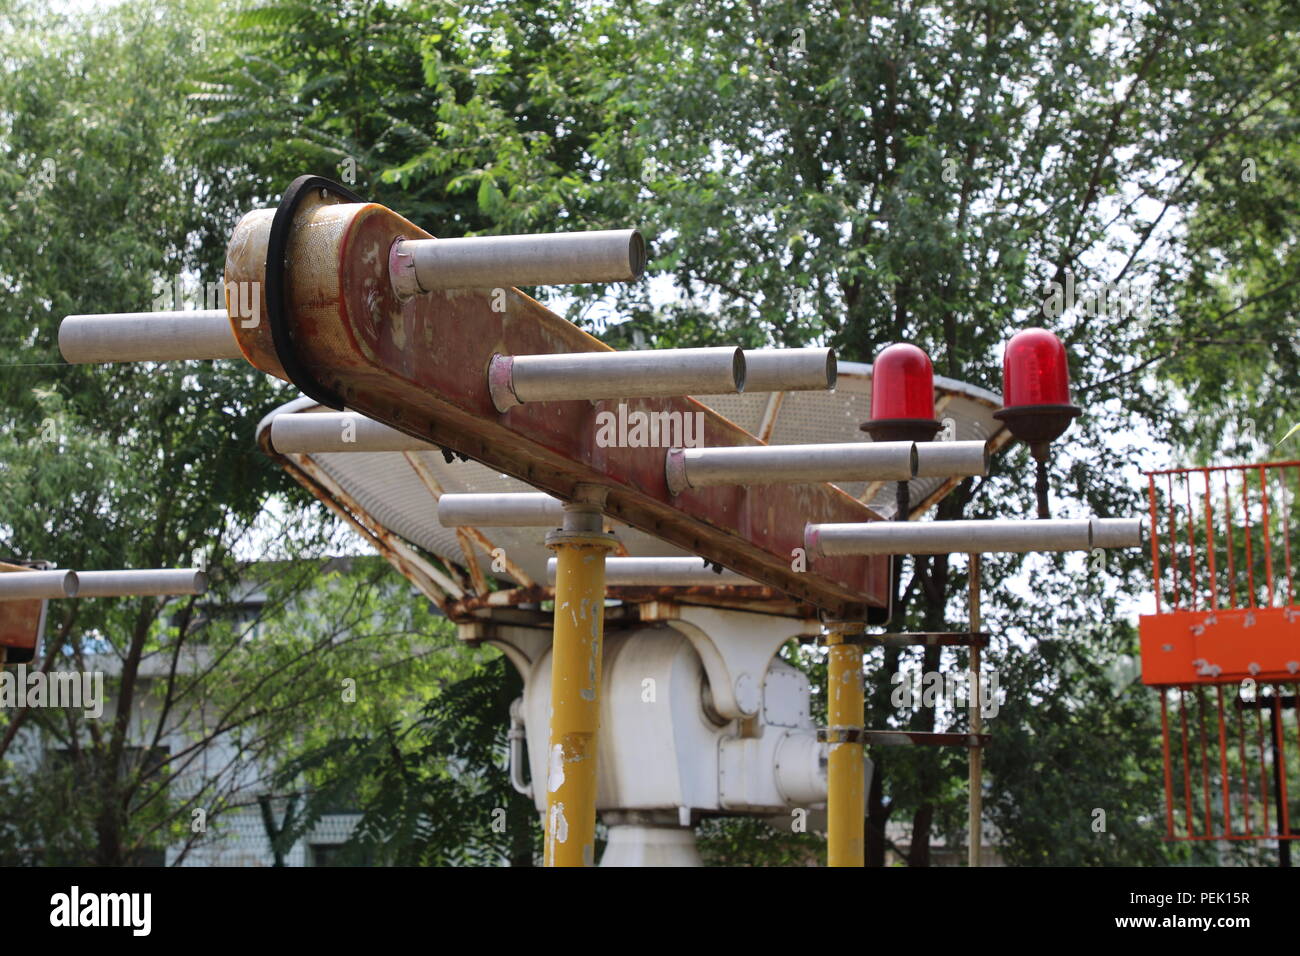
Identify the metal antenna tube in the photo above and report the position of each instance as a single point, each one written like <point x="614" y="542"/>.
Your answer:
<point x="148" y="337"/>
<point x="593" y="376"/>
<point x="949" y="537"/>
<point x="29" y="585"/>
<point x="790" y="370"/>
<point x="788" y="464"/>
<point x="487" y="262"/>
<point x="660" y="572"/>
<point x="951" y="459"/>
<point x="158" y="581"/>
<point x="525" y="509"/>
<point x="1117" y="532"/>
<point x="314" y="433"/>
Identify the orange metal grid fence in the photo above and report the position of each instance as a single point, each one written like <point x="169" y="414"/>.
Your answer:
<point x="1224" y="648"/>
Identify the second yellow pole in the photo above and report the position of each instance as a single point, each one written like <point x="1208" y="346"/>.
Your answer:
<point x="575" y="695"/>
<point x="846" y="800"/>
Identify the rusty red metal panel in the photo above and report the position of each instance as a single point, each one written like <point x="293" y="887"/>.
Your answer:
<point x="20" y="621"/>
<point x="421" y="367"/>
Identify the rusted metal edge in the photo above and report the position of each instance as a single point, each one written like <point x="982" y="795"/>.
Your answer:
<point x="377" y="538"/>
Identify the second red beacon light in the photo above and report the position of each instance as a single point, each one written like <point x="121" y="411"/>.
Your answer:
<point x="1036" y="397"/>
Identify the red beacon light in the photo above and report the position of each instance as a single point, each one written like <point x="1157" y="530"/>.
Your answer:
<point x="902" y="406"/>
<point x="1036" y="397"/>
<point x="902" y="395"/>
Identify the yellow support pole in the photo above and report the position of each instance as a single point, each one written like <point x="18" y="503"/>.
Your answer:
<point x="976" y="808"/>
<point x="575" y="688"/>
<point x="846" y="801"/>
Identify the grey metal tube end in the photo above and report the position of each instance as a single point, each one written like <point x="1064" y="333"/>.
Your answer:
<point x="636" y="255"/>
<point x="1117" y="532"/>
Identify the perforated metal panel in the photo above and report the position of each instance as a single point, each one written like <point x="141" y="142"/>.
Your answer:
<point x="385" y="485"/>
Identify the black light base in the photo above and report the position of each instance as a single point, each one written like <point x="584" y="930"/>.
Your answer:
<point x="1038" y="425"/>
<point x="901" y="429"/>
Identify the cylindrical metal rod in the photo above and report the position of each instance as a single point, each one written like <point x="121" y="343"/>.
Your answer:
<point x="159" y="581"/>
<point x="947" y="537"/>
<point x="789" y="370"/>
<point x="29" y="585"/>
<point x="486" y="262"/>
<point x="523" y="509"/>
<point x="312" y="432"/>
<point x="951" y="459"/>
<point x="575" y="690"/>
<point x="649" y="373"/>
<point x="846" y="793"/>
<point x="660" y="572"/>
<point x="1117" y="532"/>
<point x="788" y="464"/>
<point x="148" y="337"/>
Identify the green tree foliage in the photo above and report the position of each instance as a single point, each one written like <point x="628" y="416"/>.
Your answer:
<point x="1232" y="355"/>
<point x="432" y="792"/>
<point x="105" y="201"/>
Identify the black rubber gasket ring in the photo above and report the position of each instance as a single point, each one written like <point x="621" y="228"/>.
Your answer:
<point x="277" y="312"/>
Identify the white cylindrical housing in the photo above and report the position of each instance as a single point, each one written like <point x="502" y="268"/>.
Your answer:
<point x="789" y="370"/>
<point x="651" y="373"/>
<point x="789" y="464"/>
<point x="144" y="582"/>
<point x="314" y="432"/>
<point x="659" y="572"/>
<point x="948" y="537"/>
<point x="33" y="585"/>
<point x="801" y="768"/>
<point x="951" y="459"/>
<point x="487" y="262"/>
<point x="1117" y="532"/>
<point x="148" y="337"/>
<point x="524" y="509"/>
